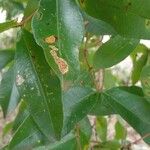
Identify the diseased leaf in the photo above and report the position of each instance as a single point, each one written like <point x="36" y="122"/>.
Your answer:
<point x="59" y="23"/>
<point x="114" y="51"/>
<point x="128" y="18"/>
<point x="39" y="87"/>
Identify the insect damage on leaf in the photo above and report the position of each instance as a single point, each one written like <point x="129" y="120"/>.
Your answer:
<point x="62" y="64"/>
<point x="51" y="39"/>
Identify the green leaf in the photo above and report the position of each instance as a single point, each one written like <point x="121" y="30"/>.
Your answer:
<point x="39" y="86"/>
<point x="84" y="79"/>
<point x="109" y="145"/>
<point x="7" y="25"/>
<point x="23" y="113"/>
<point x="134" y="109"/>
<point x="145" y="80"/>
<point x="97" y="27"/>
<point x="139" y="59"/>
<point x="85" y="132"/>
<point x="67" y="143"/>
<point x="101" y="128"/>
<point x="114" y="51"/>
<point x="133" y="90"/>
<point x="128" y="18"/>
<point x="131" y="107"/>
<point x="77" y="104"/>
<point x="60" y="19"/>
<point x="9" y="96"/>
<point x="6" y="56"/>
<point x="27" y="136"/>
<point x="7" y="128"/>
<point x="120" y="131"/>
<point x="31" y="7"/>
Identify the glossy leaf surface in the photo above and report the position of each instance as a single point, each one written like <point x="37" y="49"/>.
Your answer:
<point x="39" y="86"/>
<point x="64" y="24"/>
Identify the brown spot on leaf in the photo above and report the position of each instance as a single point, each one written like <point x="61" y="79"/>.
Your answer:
<point x="51" y="39"/>
<point x="62" y="64"/>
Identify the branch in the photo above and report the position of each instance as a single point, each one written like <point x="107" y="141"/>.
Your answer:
<point x="138" y="140"/>
<point x="25" y="20"/>
<point x="77" y="131"/>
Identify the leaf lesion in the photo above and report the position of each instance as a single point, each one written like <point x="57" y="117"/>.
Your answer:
<point x="62" y="64"/>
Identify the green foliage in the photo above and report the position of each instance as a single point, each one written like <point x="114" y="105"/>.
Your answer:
<point x="113" y="51"/>
<point x="7" y="25"/>
<point x="139" y="58"/>
<point x="56" y="75"/>
<point x="124" y="16"/>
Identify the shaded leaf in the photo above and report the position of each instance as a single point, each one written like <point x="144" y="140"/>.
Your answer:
<point x="128" y="18"/>
<point x="9" y="96"/>
<point x="97" y="27"/>
<point x="27" y="136"/>
<point x="6" y="56"/>
<point x="77" y="104"/>
<point x="26" y="132"/>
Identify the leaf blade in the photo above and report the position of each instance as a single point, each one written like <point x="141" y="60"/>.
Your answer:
<point x="35" y="75"/>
